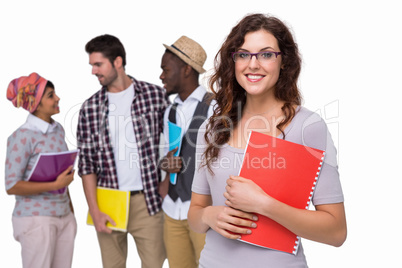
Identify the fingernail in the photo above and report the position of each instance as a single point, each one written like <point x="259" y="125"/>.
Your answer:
<point x="248" y="231"/>
<point x="253" y="225"/>
<point x="255" y="218"/>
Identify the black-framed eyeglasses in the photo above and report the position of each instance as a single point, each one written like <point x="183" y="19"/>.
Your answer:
<point x="262" y="57"/>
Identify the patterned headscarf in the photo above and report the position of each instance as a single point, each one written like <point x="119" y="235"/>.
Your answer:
<point x="26" y="91"/>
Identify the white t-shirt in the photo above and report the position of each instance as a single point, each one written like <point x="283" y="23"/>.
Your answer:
<point x="123" y="140"/>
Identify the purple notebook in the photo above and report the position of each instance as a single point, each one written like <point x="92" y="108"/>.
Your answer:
<point x="50" y="165"/>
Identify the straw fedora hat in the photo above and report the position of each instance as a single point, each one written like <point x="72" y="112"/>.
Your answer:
<point x="190" y="52"/>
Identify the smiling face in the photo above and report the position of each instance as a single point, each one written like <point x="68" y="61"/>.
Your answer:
<point x="102" y="68"/>
<point x="255" y="77"/>
<point x="48" y="106"/>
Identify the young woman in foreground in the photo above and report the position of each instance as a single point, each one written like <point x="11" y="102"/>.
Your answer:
<point x="256" y="72"/>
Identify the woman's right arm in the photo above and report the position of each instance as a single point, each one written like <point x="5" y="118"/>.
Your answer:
<point x="33" y="188"/>
<point x="228" y="222"/>
<point x="202" y="215"/>
<point x="19" y="150"/>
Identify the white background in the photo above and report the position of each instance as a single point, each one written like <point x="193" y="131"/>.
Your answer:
<point x="351" y="74"/>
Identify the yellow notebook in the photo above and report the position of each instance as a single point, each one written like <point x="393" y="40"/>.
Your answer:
<point x="114" y="203"/>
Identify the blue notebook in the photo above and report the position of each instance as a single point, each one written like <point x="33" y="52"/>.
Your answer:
<point x="174" y="141"/>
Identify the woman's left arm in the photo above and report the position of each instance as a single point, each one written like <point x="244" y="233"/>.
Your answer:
<point x="326" y="225"/>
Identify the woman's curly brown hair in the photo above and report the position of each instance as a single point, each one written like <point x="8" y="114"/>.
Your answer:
<point x="231" y="97"/>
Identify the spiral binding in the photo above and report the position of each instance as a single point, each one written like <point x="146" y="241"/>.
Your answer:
<point x="297" y="242"/>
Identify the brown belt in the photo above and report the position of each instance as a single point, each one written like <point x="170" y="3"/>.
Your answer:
<point x="136" y="192"/>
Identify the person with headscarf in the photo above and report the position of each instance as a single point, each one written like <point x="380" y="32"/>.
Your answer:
<point x="43" y="217"/>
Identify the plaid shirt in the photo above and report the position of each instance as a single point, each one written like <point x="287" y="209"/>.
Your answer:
<point x="96" y="151"/>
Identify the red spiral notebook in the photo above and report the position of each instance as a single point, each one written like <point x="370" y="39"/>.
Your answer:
<point x="286" y="171"/>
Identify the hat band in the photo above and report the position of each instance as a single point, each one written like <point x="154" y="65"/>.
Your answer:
<point x="181" y="51"/>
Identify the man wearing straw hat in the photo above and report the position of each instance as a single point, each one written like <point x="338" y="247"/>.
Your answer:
<point x="181" y="65"/>
<point x="118" y="137"/>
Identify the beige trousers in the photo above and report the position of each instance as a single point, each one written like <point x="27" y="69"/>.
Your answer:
<point x="46" y="242"/>
<point x="183" y="245"/>
<point x="147" y="232"/>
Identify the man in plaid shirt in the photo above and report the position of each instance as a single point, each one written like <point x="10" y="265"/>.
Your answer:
<point x="118" y="137"/>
